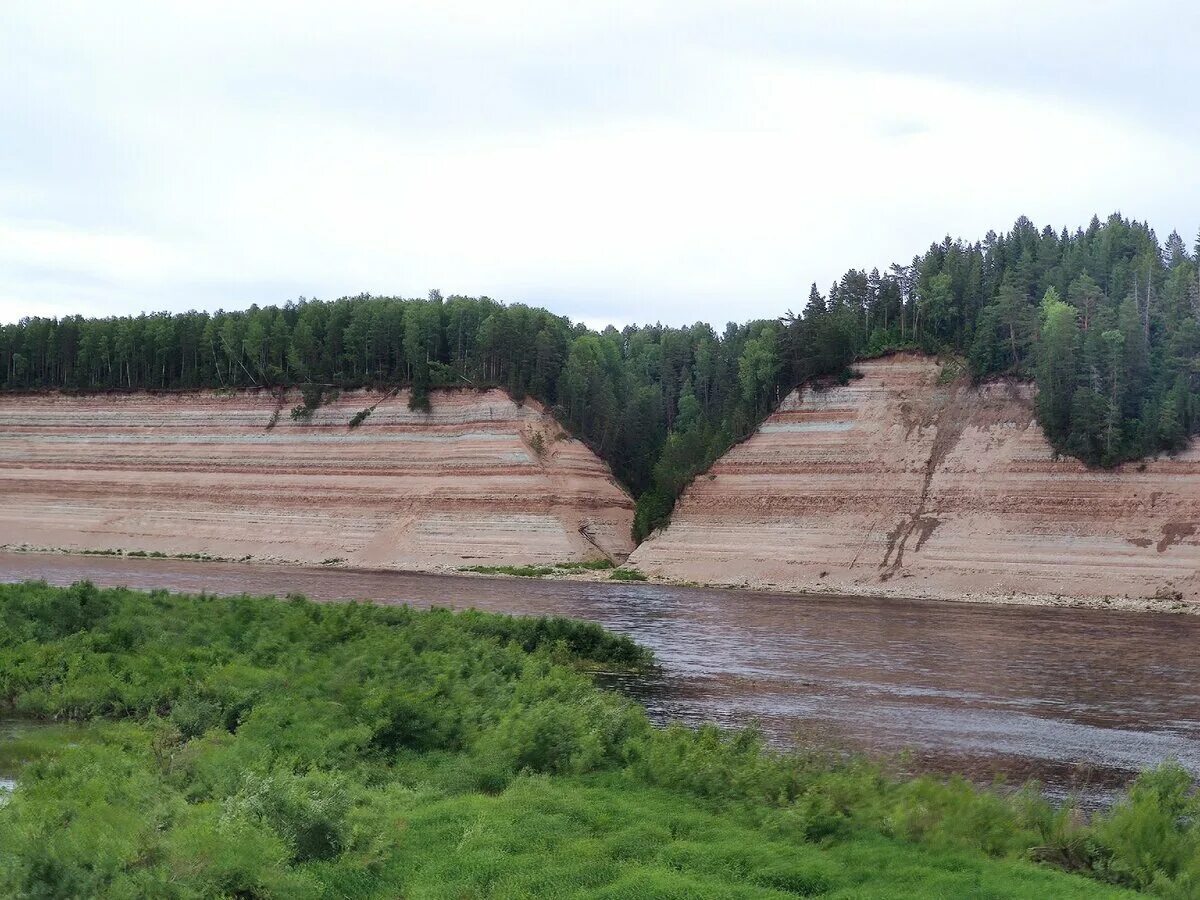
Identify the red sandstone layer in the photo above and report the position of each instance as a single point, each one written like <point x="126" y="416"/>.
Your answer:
<point x="898" y="483"/>
<point x="478" y="480"/>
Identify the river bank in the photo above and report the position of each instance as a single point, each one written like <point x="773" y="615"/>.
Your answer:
<point x="1079" y="699"/>
<point x="243" y="746"/>
<point x="1169" y="605"/>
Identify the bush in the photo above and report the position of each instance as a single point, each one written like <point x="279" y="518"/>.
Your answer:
<point x="414" y="720"/>
<point x="296" y="749"/>
<point x="308" y="812"/>
<point x="193" y="716"/>
<point x="580" y="640"/>
<point x="576" y="733"/>
<point x="1151" y="839"/>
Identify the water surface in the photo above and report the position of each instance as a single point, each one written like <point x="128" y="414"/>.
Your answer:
<point x="1080" y="699"/>
<point x="12" y="730"/>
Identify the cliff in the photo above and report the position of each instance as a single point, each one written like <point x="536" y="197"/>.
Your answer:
<point x="901" y="483"/>
<point x="478" y="480"/>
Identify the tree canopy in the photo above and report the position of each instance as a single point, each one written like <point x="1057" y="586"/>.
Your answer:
<point x="1105" y="320"/>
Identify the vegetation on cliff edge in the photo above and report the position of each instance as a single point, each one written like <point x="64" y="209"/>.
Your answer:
<point x="1106" y="319"/>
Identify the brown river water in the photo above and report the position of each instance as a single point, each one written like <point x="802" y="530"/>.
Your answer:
<point x="1078" y="699"/>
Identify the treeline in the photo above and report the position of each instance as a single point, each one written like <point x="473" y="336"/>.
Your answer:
<point x="1106" y="320"/>
<point x="657" y="403"/>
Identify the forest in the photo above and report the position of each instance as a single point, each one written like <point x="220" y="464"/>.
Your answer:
<point x="175" y="746"/>
<point x="1105" y="319"/>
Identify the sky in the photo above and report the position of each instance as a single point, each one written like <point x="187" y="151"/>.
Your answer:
<point x="615" y="162"/>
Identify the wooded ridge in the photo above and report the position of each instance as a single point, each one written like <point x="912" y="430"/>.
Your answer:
<point x="1107" y="320"/>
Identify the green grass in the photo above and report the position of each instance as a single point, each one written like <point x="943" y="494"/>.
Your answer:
<point x="518" y="571"/>
<point x="530" y="571"/>
<point x="23" y="742"/>
<point x="605" y="837"/>
<point x="134" y="554"/>
<point x="627" y="574"/>
<point x="247" y="747"/>
<point x="591" y="565"/>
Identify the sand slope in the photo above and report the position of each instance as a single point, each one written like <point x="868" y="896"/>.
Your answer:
<point x="897" y="483"/>
<point x="204" y="472"/>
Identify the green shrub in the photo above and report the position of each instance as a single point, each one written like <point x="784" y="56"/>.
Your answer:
<point x="313" y="395"/>
<point x="215" y="853"/>
<point x="1151" y="839"/>
<point x="295" y="749"/>
<point x="404" y="718"/>
<point x="193" y="716"/>
<point x="308" y="812"/>
<point x="580" y="640"/>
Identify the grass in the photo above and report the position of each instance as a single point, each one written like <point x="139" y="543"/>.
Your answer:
<point x="533" y="571"/>
<point x="518" y="571"/>
<point x="23" y="742"/>
<point x="627" y="574"/>
<point x="590" y="565"/>
<point x="604" y="837"/>
<point x="131" y="554"/>
<point x="247" y="747"/>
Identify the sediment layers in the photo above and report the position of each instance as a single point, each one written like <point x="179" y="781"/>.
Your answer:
<point x="478" y="480"/>
<point x="906" y="482"/>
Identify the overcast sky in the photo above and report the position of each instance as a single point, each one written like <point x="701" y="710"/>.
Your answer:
<point x="612" y="161"/>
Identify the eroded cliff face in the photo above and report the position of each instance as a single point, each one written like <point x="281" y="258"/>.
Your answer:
<point x="478" y="480"/>
<point x="901" y="483"/>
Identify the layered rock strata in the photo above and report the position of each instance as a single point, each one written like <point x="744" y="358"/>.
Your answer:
<point x="907" y="482"/>
<point x="478" y="480"/>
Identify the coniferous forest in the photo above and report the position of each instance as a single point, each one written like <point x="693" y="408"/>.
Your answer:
<point x="1105" y="319"/>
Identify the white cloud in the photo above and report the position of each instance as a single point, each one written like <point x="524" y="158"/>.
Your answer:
<point x="625" y="162"/>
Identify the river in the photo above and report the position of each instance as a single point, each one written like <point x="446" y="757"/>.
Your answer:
<point x="1079" y="699"/>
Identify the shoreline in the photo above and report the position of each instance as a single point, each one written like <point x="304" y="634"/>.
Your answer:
<point x="1167" y="606"/>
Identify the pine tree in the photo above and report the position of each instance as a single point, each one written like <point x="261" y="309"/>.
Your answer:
<point x="1016" y="320"/>
<point x="1174" y="251"/>
<point x="1056" y="365"/>
<point x="1085" y="295"/>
